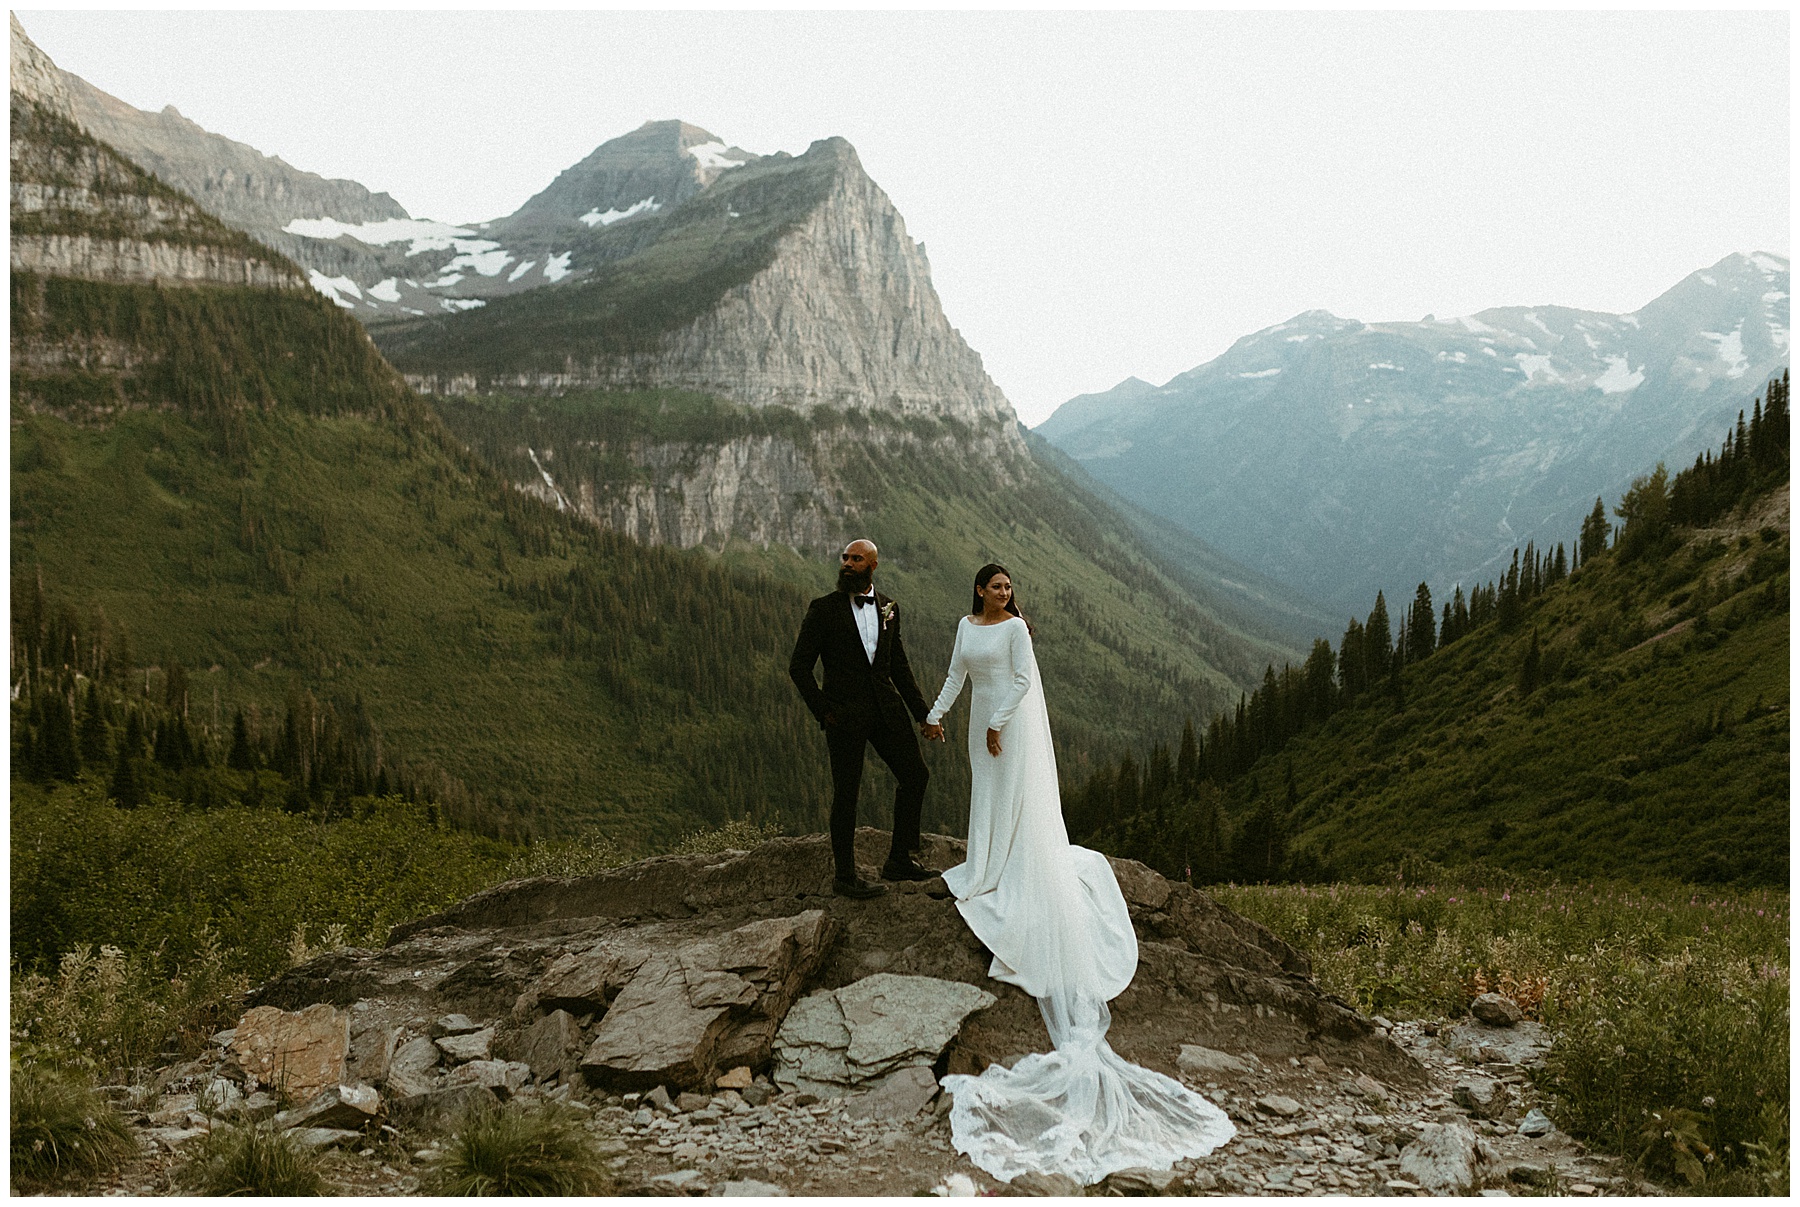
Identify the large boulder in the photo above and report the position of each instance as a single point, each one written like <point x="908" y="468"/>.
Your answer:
<point x="627" y="944"/>
<point x="299" y="1053"/>
<point x="837" y="1041"/>
<point x="705" y="1005"/>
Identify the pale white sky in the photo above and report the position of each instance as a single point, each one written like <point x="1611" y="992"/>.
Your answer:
<point x="1101" y="195"/>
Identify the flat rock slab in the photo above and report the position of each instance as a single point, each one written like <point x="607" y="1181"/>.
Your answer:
<point x="473" y="1045"/>
<point x="320" y="1138"/>
<point x="843" y="1039"/>
<point x="705" y="1002"/>
<point x="748" y="1188"/>
<point x="413" y="1068"/>
<point x="1196" y="1061"/>
<point x="1524" y="1043"/>
<point x="552" y="1046"/>
<point x="897" y="1097"/>
<point x="442" y="1106"/>
<point x="1278" y="1104"/>
<point x="301" y="1052"/>
<point x="340" y="1106"/>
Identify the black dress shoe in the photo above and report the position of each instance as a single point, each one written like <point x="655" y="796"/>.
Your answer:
<point x="860" y="889"/>
<point x="908" y="869"/>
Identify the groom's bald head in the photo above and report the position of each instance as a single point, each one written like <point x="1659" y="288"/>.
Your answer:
<point x="856" y="566"/>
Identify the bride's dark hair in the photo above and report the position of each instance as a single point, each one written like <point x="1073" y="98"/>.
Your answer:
<point x="982" y="577"/>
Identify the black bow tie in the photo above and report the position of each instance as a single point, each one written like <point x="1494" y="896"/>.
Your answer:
<point x="860" y="600"/>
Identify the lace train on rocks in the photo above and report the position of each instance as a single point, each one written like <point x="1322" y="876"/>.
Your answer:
<point x="1058" y="926"/>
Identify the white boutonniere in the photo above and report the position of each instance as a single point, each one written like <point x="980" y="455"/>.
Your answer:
<point x="888" y="611"/>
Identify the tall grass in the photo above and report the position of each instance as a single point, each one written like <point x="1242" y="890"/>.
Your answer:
<point x="1669" y="1004"/>
<point x="254" y="1160"/>
<point x="61" y="1130"/>
<point x="511" y="1151"/>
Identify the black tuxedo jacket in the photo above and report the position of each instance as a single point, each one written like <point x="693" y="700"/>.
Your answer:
<point x="855" y="688"/>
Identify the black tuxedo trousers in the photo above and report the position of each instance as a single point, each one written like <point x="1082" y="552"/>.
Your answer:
<point x="898" y="747"/>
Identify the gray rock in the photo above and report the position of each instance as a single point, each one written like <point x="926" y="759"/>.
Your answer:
<point x="1141" y="1180"/>
<point x="1278" y="1104"/>
<point x="757" y="1095"/>
<point x="441" y="1107"/>
<point x="1536" y="1123"/>
<point x="1044" y="1186"/>
<point x="1481" y="1096"/>
<point x="1497" y="1010"/>
<point x="1521" y="1044"/>
<point x="221" y="1095"/>
<point x="684" y="1010"/>
<point x="371" y="1051"/>
<point x="1196" y="1061"/>
<point x="895" y="1098"/>
<point x="453" y="1024"/>
<point x="171" y="1137"/>
<point x="747" y="1188"/>
<point x="839" y="1039"/>
<point x="584" y="982"/>
<point x="1203" y="1180"/>
<point x="685" y="1181"/>
<point x="504" y="1077"/>
<point x="1367" y="1087"/>
<point x="1531" y="1175"/>
<point x="659" y="1099"/>
<point x="686" y="1102"/>
<point x="350" y="1107"/>
<point x="320" y="1138"/>
<point x="413" y="1069"/>
<point x="1443" y="1158"/>
<point x="473" y="1045"/>
<point x="551" y="1046"/>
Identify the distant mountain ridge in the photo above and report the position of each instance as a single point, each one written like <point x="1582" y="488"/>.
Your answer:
<point x="1328" y="452"/>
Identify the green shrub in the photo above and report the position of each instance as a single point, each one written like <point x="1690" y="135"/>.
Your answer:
<point x="513" y="1151"/>
<point x="61" y="1129"/>
<point x="252" y="1160"/>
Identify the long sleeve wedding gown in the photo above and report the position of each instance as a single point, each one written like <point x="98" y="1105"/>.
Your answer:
<point x="1056" y="922"/>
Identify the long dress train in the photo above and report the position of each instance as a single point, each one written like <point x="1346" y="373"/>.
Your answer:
<point x="1057" y="924"/>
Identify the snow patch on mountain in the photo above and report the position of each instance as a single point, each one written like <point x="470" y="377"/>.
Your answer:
<point x="1770" y="265"/>
<point x="425" y="234"/>
<point x="483" y="256"/>
<point x="335" y="288"/>
<point x="712" y="155"/>
<point x="557" y="266"/>
<point x="520" y="271"/>
<point x="595" y="218"/>
<point x="387" y="290"/>
<point x="1536" y="366"/>
<point x="1261" y="373"/>
<point x="1731" y="350"/>
<point x="1619" y="377"/>
<point x="461" y="303"/>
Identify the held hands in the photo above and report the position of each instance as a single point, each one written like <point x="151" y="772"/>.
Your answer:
<point x="930" y="732"/>
<point x="993" y="736"/>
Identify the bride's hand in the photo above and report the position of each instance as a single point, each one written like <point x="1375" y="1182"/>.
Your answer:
<point x="994" y="742"/>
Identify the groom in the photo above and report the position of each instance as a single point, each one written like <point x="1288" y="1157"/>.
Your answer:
<point x="869" y="689"/>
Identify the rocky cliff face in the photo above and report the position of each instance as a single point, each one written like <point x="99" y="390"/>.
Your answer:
<point x="79" y="210"/>
<point x="782" y="490"/>
<point x="841" y="313"/>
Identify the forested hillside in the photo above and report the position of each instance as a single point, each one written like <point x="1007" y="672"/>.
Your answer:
<point x="1618" y="707"/>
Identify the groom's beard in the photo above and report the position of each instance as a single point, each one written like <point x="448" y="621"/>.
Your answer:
<point x="853" y="583"/>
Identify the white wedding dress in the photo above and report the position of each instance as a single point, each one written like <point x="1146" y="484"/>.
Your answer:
<point x="1055" y="920"/>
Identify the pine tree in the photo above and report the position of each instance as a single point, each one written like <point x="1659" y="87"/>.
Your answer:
<point x="1187" y="763"/>
<point x="1529" y="668"/>
<point x="93" y="729"/>
<point x="1378" y="642"/>
<point x="1420" y="631"/>
<point x="242" y="756"/>
<point x="1259" y="851"/>
<point x="1595" y="531"/>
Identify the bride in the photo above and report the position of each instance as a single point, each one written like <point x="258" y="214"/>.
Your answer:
<point x="1056" y="922"/>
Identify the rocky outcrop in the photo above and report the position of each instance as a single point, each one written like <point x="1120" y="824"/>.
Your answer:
<point x="796" y="490"/>
<point x="135" y="260"/>
<point x="718" y="941"/>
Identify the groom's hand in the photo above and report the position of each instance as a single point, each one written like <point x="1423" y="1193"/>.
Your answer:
<point x="930" y="732"/>
<point x="994" y="742"/>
